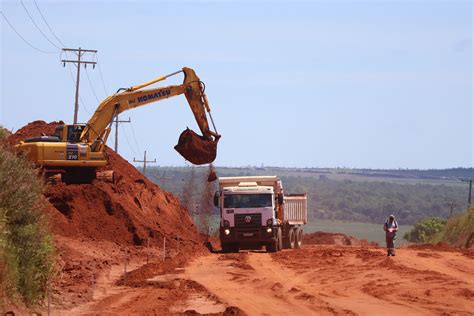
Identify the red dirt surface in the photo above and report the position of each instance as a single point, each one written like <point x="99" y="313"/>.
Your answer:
<point x="323" y="238"/>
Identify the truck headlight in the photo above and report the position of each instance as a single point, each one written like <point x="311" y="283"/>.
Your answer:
<point x="227" y="231"/>
<point x="270" y="222"/>
<point x="226" y="223"/>
<point x="269" y="230"/>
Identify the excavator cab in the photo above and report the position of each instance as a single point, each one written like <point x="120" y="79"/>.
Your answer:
<point x="69" y="133"/>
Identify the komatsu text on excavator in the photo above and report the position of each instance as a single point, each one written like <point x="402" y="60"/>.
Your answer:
<point x="76" y="151"/>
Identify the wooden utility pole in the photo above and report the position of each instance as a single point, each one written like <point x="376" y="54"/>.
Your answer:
<point x="144" y="162"/>
<point x="470" y="188"/>
<point x="163" y="178"/>
<point x="79" y="53"/>
<point x="117" y="121"/>
<point x="452" y="205"/>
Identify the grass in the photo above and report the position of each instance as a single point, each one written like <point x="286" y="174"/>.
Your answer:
<point x="459" y="229"/>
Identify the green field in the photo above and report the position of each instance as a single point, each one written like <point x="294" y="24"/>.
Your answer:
<point x="369" y="231"/>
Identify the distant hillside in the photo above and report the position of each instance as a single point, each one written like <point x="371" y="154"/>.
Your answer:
<point x="347" y="194"/>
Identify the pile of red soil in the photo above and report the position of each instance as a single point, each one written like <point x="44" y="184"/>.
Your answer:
<point x="129" y="211"/>
<point x="324" y="238"/>
<point x="36" y="128"/>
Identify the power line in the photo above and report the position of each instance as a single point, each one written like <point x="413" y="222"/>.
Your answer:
<point x="33" y="21"/>
<point x="135" y="137"/>
<point x="100" y="73"/>
<point x="128" y="142"/>
<point x="24" y="40"/>
<point x="92" y="87"/>
<point x="47" y="24"/>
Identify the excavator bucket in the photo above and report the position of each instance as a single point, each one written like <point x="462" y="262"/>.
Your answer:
<point x="196" y="149"/>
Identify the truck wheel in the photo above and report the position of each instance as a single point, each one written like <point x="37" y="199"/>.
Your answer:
<point x="299" y="238"/>
<point x="226" y="248"/>
<point x="279" y="239"/>
<point x="235" y="247"/>
<point x="272" y="246"/>
<point x="291" y="238"/>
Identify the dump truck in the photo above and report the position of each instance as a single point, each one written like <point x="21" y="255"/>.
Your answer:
<point x="255" y="213"/>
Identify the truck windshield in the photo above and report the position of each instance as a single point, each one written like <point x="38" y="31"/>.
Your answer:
<point x="247" y="200"/>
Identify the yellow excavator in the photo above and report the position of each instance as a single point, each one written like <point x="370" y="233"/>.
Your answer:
<point x="76" y="151"/>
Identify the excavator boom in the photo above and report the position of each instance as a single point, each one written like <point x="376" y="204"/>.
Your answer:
<point x="194" y="148"/>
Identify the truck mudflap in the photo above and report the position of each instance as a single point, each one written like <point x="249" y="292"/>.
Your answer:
<point x="260" y="235"/>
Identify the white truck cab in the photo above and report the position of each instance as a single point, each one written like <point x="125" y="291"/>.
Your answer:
<point x="255" y="213"/>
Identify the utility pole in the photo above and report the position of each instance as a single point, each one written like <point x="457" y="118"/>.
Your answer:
<point x="163" y="178"/>
<point x="452" y="205"/>
<point x="117" y="121"/>
<point x="144" y="162"/>
<point x="79" y="53"/>
<point x="470" y="188"/>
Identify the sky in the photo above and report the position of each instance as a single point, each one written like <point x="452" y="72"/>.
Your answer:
<point x="358" y="84"/>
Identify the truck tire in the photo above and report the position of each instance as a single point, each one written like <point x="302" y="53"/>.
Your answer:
<point x="227" y="248"/>
<point x="272" y="246"/>
<point x="291" y="238"/>
<point x="279" y="239"/>
<point x="298" y="238"/>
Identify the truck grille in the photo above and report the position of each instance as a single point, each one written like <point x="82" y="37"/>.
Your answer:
<point x="242" y="222"/>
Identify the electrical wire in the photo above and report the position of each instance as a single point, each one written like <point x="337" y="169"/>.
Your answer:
<point x="92" y="87"/>
<point x="33" y="21"/>
<point x="135" y="137"/>
<point x="128" y="142"/>
<point x="47" y="24"/>
<point x="24" y="40"/>
<point x="100" y="73"/>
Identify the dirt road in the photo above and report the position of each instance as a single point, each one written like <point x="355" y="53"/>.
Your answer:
<point x="329" y="280"/>
<point x="316" y="280"/>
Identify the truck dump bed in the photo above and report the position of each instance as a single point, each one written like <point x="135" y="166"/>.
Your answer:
<point x="295" y="209"/>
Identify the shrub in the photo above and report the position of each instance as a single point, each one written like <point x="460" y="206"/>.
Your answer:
<point x="4" y="133"/>
<point x="26" y="246"/>
<point x="425" y="230"/>
<point x="459" y="229"/>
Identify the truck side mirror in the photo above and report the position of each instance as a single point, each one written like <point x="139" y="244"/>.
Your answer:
<point x="280" y="199"/>
<point x="216" y="198"/>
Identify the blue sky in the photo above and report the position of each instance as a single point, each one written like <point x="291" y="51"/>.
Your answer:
<point x="373" y="84"/>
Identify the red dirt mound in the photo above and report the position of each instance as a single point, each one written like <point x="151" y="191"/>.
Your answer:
<point x="36" y="128"/>
<point x="128" y="211"/>
<point x="324" y="238"/>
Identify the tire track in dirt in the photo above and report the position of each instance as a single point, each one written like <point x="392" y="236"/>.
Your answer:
<point x="338" y="280"/>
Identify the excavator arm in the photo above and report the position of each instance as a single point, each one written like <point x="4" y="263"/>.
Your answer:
<point x="195" y="148"/>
